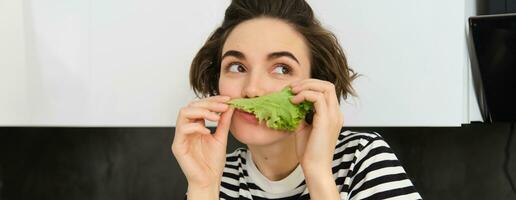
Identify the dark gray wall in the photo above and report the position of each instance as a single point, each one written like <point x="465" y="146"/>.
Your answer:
<point x="136" y="163"/>
<point x="496" y="6"/>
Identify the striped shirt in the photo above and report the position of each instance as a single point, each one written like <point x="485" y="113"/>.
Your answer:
<point x="364" y="167"/>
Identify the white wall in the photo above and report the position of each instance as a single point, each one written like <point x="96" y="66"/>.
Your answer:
<point x="412" y="54"/>
<point x="13" y="80"/>
<point x="125" y="63"/>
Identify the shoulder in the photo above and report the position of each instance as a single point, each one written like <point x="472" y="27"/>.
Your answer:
<point x="365" y="146"/>
<point x="357" y="142"/>
<point x="354" y="148"/>
<point x="374" y="169"/>
<point x="363" y="138"/>
<point x="359" y="153"/>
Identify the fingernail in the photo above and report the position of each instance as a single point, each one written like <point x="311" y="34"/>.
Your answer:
<point x="293" y="99"/>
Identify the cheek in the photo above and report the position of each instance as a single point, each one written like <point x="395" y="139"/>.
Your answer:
<point x="228" y="87"/>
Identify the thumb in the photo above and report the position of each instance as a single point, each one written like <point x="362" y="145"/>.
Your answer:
<point x="221" y="134"/>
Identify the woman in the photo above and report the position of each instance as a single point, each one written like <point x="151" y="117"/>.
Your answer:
<point x="261" y="47"/>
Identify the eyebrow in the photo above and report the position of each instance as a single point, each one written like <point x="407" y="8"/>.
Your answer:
<point x="240" y="55"/>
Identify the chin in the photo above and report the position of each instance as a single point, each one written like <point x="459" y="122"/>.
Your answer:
<point x="255" y="134"/>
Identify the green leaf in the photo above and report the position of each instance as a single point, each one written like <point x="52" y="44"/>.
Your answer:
<point x="275" y="109"/>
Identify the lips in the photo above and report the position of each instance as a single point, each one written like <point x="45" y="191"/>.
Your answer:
<point x="246" y="116"/>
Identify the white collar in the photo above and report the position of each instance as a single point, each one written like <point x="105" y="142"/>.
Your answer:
<point x="286" y="184"/>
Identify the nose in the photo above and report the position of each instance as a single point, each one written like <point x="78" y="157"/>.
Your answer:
<point x="253" y="86"/>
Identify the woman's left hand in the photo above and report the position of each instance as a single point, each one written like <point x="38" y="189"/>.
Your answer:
<point x="315" y="144"/>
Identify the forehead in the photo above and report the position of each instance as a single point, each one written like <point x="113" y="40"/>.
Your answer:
<point x="264" y="35"/>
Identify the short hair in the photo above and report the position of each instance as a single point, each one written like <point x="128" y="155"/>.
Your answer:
<point x="327" y="59"/>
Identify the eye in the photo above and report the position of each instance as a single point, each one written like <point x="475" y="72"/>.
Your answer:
<point x="282" y="69"/>
<point x="236" y="67"/>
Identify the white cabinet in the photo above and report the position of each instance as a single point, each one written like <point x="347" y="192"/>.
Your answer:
<point x="125" y="63"/>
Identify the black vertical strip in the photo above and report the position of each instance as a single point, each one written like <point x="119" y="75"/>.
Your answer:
<point x="511" y="6"/>
<point x="508" y="157"/>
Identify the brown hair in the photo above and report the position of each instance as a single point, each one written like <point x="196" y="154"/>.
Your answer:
<point x="328" y="61"/>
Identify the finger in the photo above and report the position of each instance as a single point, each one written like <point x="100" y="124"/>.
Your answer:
<point x="314" y="84"/>
<point x="218" y="98"/>
<point x="214" y="106"/>
<point x="186" y="129"/>
<point x="307" y="81"/>
<point x="193" y="114"/>
<point x="327" y="88"/>
<point x="221" y="134"/>
<point x="192" y="128"/>
<point x="317" y="98"/>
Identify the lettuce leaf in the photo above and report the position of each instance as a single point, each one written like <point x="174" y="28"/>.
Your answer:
<point x="275" y="109"/>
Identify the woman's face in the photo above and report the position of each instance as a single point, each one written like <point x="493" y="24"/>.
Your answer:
<point x="261" y="56"/>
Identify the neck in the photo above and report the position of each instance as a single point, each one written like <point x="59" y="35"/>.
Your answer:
<point x="275" y="161"/>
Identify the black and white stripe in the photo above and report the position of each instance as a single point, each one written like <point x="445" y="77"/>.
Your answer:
<point x="364" y="167"/>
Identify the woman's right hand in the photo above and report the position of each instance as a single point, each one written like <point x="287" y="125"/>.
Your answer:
<point x="201" y="154"/>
